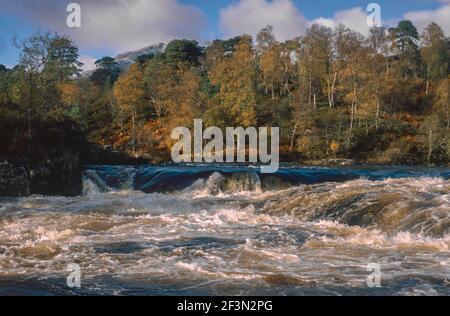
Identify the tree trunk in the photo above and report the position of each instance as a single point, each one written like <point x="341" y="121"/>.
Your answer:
<point x="352" y="118"/>
<point x="294" y="131"/>
<point x="430" y="146"/>
<point x="310" y="90"/>
<point x="331" y="91"/>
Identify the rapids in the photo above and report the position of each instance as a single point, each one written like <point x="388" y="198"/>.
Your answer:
<point x="229" y="230"/>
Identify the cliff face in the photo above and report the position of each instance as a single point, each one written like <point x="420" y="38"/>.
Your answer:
<point x="50" y="161"/>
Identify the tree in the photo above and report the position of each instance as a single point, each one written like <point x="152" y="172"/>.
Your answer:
<point x="129" y="93"/>
<point x="107" y="72"/>
<point x="265" y="39"/>
<point x="143" y="59"/>
<point x="159" y="83"/>
<point x="435" y="54"/>
<point x="182" y="51"/>
<point x="352" y="72"/>
<point x="6" y="83"/>
<point x="405" y="42"/>
<point x="429" y="136"/>
<point x="235" y="78"/>
<point x="441" y="103"/>
<point x="317" y="64"/>
<point x="272" y="70"/>
<point x="379" y="66"/>
<point x="77" y="96"/>
<point x="45" y="61"/>
<point x="63" y="58"/>
<point x="218" y="50"/>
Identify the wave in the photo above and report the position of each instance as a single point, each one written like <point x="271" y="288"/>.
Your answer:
<point x="395" y="200"/>
<point x="232" y="179"/>
<point x="420" y="205"/>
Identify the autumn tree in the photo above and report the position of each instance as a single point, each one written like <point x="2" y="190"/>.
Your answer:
<point x="129" y="93"/>
<point x="235" y="78"/>
<point x="317" y="64"/>
<point x="269" y="53"/>
<point x="217" y="50"/>
<point x="441" y="103"/>
<point x="352" y="72"/>
<point x="77" y="96"/>
<point x="435" y="54"/>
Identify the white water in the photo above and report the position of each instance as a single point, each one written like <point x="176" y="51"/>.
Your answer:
<point x="308" y="239"/>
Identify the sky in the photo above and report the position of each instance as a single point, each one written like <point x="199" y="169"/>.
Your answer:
<point x="110" y="27"/>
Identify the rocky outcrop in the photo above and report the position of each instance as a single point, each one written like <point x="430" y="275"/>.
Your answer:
<point x="50" y="161"/>
<point x="14" y="179"/>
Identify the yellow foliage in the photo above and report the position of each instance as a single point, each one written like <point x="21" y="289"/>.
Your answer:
<point x="235" y="76"/>
<point x="334" y="147"/>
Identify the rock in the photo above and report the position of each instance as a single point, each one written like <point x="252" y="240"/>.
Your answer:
<point x="14" y="180"/>
<point x="51" y="161"/>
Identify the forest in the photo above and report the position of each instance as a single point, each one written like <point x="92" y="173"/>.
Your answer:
<point x="334" y="93"/>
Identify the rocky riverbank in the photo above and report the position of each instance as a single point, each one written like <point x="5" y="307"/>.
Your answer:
<point x="50" y="160"/>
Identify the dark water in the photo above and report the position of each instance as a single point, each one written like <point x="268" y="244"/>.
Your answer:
<point x="231" y="231"/>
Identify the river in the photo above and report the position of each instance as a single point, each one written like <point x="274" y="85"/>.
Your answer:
<point x="229" y="230"/>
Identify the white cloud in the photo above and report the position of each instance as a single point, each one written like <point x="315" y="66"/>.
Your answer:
<point x="88" y="63"/>
<point x="119" y="25"/>
<point x="250" y="16"/>
<point x="130" y="25"/>
<point x="355" y="19"/>
<point x="440" y="16"/>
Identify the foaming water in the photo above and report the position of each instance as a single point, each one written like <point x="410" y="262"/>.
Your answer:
<point x="232" y="231"/>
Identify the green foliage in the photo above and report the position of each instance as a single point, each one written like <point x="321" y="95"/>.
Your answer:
<point x="143" y="59"/>
<point x="63" y="58"/>
<point x="107" y="72"/>
<point x="75" y="114"/>
<point x="46" y="61"/>
<point x="435" y="52"/>
<point x="182" y="51"/>
<point x="405" y="39"/>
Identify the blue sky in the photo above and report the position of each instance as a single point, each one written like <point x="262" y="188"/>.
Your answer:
<point x="114" y="26"/>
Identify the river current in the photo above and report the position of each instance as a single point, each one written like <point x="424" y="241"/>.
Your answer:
<point x="229" y="230"/>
